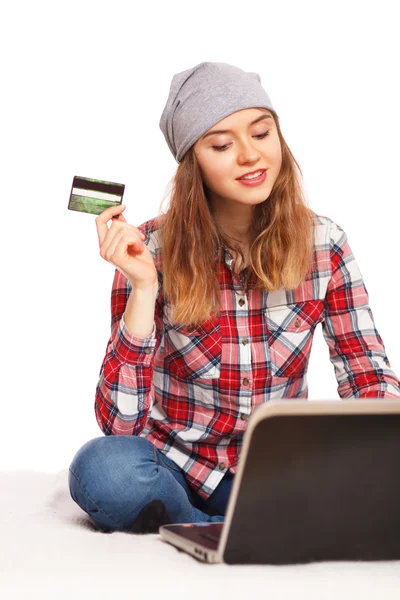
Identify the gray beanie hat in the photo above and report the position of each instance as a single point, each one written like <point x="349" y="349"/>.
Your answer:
<point x="202" y="96"/>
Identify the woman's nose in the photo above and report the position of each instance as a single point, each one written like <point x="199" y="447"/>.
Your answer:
<point x="248" y="153"/>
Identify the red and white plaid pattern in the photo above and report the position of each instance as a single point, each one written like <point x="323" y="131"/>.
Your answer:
<point x="190" y="391"/>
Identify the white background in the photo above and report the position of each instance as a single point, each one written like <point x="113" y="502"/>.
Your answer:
<point x="83" y="88"/>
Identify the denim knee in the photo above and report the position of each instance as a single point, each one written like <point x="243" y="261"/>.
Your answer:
<point x="113" y="457"/>
<point x="110" y="477"/>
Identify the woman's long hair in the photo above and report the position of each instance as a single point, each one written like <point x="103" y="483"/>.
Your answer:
<point x="281" y="234"/>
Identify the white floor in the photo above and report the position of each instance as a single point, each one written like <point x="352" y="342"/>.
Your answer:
<point x="49" y="549"/>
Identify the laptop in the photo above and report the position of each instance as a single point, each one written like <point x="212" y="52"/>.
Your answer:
<point x="316" y="480"/>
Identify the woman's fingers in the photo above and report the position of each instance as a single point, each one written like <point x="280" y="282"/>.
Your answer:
<point x="127" y="238"/>
<point x="121" y="242"/>
<point x="114" y="234"/>
<point x="120" y="251"/>
<point x="123" y="246"/>
<point x="106" y="215"/>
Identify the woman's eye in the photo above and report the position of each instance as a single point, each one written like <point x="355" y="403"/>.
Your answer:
<point x="262" y="135"/>
<point x="220" y="148"/>
<point x="225" y="146"/>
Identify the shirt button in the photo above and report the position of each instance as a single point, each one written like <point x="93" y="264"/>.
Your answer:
<point x="244" y="417"/>
<point x="241" y="302"/>
<point x="297" y="323"/>
<point x="245" y="341"/>
<point x="190" y="328"/>
<point x="245" y="381"/>
<point x="147" y="350"/>
<point x="221" y="465"/>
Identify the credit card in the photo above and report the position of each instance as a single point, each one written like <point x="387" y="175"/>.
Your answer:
<point x="94" y="195"/>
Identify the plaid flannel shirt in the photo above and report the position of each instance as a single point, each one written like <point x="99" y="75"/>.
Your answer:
<point x="191" y="391"/>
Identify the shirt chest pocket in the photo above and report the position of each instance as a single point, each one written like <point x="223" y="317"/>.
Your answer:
<point x="193" y="352"/>
<point x="290" y="329"/>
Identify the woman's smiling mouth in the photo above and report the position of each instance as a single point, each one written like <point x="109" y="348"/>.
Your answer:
<point x="254" y="178"/>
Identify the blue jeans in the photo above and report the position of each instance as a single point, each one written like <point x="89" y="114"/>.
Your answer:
<point x="113" y="477"/>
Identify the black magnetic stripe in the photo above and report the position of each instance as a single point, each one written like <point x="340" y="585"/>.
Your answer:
<point x="96" y="186"/>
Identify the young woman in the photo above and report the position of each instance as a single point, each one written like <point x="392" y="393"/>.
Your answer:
<point x="214" y="307"/>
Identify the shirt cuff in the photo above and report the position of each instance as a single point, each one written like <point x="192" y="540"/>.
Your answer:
<point x="131" y="349"/>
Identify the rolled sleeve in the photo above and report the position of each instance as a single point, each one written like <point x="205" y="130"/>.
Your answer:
<point x="356" y="349"/>
<point x="132" y="350"/>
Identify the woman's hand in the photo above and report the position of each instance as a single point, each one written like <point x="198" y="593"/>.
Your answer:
<point x="122" y="245"/>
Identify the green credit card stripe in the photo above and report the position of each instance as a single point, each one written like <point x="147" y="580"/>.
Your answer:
<point x="85" y="202"/>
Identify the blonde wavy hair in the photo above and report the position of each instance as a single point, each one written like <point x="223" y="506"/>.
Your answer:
<point x="281" y="234"/>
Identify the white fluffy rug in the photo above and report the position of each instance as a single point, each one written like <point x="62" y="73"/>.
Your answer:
<point x="49" y="549"/>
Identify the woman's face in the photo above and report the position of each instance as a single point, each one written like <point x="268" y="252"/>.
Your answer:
<point x="249" y="141"/>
